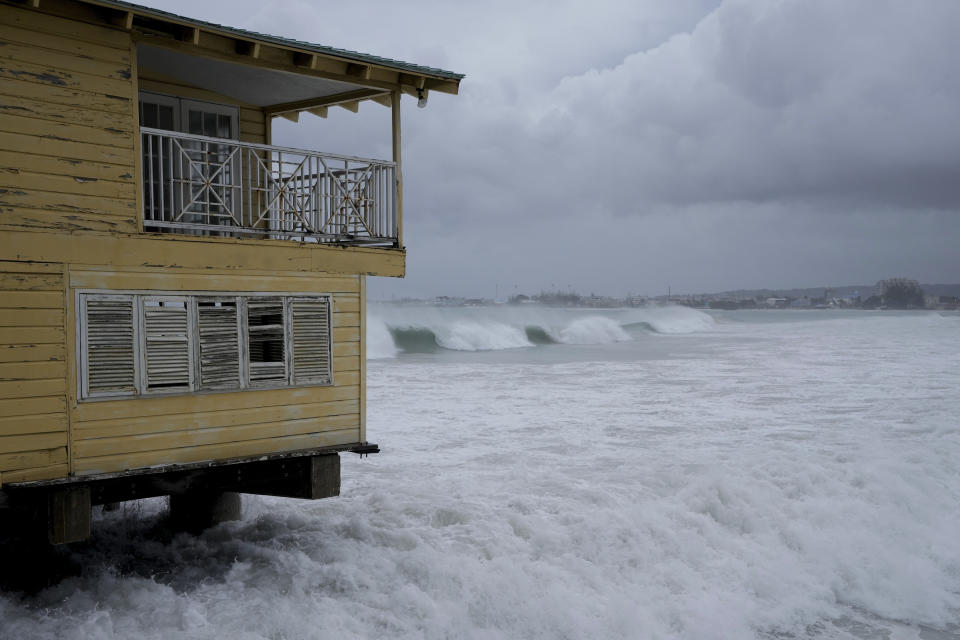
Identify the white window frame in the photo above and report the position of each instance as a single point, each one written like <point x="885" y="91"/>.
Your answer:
<point x="191" y="298"/>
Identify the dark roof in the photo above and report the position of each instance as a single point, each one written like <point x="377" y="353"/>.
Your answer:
<point x="284" y="42"/>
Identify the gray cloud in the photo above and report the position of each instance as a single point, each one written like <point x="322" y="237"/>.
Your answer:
<point x="615" y="146"/>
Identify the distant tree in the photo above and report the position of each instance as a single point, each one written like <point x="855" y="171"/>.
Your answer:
<point x="901" y="293"/>
<point x="873" y="302"/>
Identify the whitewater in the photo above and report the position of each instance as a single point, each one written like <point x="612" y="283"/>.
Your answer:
<point x="550" y="473"/>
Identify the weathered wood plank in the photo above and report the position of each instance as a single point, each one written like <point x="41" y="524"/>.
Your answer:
<point x="48" y="144"/>
<point x="12" y="54"/>
<point x="17" y="267"/>
<point x="35" y="423"/>
<point x="121" y="462"/>
<point x="49" y="472"/>
<point x="346" y="334"/>
<point x="30" y="299"/>
<point x="73" y="98"/>
<point x="346" y="319"/>
<point x="31" y="318"/>
<point x="345" y="364"/>
<point x="14" y="162"/>
<point x="184" y="252"/>
<point x="30" y="460"/>
<point x="47" y="24"/>
<point x="31" y="388"/>
<point x="19" y="219"/>
<point x="340" y="349"/>
<point x="198" y="403"/>
<point x="42" y="74"/>
<point x="139" y="425"/>
<point x="31" y="406"/>
<point x="98" y="447"/>
<point x="10" y="371"/>
<point x="346" y="304"/>
<point x="67" y="202"/>
<point x="31" y="335"/>
<point x="200" y="281"/>
<point x="121" y="138"/>
<point x="68" y="184"/>
<point x="55" y="112"/>
<point x="64" y="44"/>
<point x="32" y="352"/>
<point x="32" y="442"/>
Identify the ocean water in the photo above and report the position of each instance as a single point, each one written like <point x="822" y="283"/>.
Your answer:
<point x="643" y="473"/>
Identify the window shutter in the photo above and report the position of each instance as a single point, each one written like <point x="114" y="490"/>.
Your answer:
<point x="266" y="343"/>
<point x="109" y="341"/>
<point x="219" y="344"/>
<point x="310" y="318"/>
<point x="167" y="341"/>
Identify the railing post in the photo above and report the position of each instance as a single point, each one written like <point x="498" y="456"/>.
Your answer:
<point x="395" y="107"/>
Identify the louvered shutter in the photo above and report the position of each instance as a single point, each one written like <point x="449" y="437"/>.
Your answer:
<point x="219" y="344"/>
<point x="166" y="340"/>
<point x="109" y="331"/>
<point x="266" y="344"/>
<point x="310" y="320"/>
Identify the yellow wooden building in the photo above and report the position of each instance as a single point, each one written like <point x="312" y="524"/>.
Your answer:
<point x="180" y="296"/>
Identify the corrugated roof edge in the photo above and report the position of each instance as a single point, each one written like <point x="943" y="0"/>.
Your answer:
<point x="285" y="42"/>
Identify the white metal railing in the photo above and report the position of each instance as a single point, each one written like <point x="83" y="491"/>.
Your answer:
<point x="217" y="187"/>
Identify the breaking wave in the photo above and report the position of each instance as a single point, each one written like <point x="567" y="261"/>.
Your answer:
<point x="407" y="329"/>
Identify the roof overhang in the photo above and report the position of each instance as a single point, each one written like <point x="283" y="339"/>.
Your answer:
<point x="280" y="75"/>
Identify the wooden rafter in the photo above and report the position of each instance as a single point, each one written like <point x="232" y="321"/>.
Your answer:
<point x="339" y="99"/>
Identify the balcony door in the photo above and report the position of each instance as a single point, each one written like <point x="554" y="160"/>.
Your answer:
<point x="190" y="184"/>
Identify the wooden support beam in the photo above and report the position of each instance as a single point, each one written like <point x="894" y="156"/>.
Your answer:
<point x="325" y="101"/>
<point x="128" y="20"/>
<point x="305" y="60"/>
<point x="350" y="106"/>
<point x="247" y="48"/>
<point x="395" y="121"/>
<point x="359" y="70"/>
<point x="320" y="112"/>
<point x="385" y="100"/>
<point x="292" y="116"/>
<point x="68" y="515"/>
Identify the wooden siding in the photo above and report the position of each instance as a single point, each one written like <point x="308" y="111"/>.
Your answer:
<point x="33" y="364"/>
<point x="67" y="123"/>
<point x="115" y="435"/>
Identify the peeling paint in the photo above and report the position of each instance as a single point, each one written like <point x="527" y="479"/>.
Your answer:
<point x="70" y="160"/>
<point x="112" y="130"/>
<point x="126" y="176"/>
<point x="109" y="95"/>
<point x="11" y="107"/>
<point x="124" y="73"/>
<point x="82" y="179"/>
<point x="53" y="137"/>
<point x="42" y="77"/>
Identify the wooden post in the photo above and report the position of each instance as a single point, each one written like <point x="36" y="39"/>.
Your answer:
<point x="68" y="515"/>
<point x="395" y="106"/>
<point x="196" y="510"/>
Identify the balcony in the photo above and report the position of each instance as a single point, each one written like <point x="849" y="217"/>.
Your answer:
<point x="203" y="186"/>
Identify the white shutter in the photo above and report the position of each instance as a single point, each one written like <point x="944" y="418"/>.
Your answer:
<point x="266" y="343"/>
<point x="108" y="335"/>
<point x="219" y="344"/>
<point x="310" y="320"/>
<point x="166" y="339"/>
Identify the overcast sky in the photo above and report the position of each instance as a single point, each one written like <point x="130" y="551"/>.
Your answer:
<point x="618" y="147"/>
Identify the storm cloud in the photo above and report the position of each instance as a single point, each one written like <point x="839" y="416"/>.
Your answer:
<point x="627" y="147"/>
